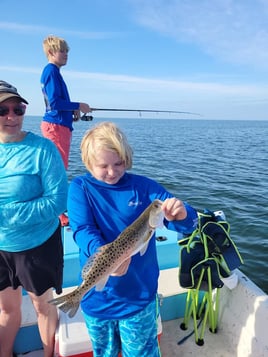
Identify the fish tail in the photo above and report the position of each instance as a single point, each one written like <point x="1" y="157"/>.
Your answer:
<point x="67" y="303"/>
<point x="70" y="308"/>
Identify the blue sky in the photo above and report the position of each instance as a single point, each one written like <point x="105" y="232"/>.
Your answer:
<point x="203" y="56"/>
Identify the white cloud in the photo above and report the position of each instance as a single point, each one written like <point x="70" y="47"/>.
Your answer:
<point x="153" y="85"/>
<point x="30" y="29"/>
<point x="233" y="30"/>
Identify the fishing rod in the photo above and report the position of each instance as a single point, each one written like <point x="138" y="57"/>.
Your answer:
<point x="86" y="117"/>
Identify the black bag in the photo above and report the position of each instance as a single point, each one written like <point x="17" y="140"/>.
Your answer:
<point x="209" y="245"/>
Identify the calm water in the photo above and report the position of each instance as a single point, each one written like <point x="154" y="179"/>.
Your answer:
<point x="218" y="165"/>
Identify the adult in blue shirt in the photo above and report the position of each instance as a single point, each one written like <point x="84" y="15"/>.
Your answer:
<point x="101" y="204"/>
<point x="33" y="193"/>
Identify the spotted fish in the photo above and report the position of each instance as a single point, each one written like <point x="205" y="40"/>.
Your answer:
<point x="95" y="273"/>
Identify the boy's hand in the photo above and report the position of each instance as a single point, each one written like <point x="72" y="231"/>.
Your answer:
<point x="174" y="209"/>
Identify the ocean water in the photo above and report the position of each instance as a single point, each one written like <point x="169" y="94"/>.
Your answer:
<point x="215" y="165"/>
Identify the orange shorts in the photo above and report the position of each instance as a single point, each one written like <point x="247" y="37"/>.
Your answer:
<point x="61" y="137"/>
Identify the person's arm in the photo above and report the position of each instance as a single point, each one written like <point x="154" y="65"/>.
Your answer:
<point x="85" y="231"/>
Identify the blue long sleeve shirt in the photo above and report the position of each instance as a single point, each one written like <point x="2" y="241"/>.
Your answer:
<point x="59" y="108"/>
<point x="33" y="192"/>
<point x="98" y="213"/>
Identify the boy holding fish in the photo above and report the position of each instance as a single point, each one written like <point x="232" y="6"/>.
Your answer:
<point x="120" y="311"/>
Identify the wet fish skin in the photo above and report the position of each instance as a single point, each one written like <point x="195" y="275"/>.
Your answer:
<point x="135" y="238"/>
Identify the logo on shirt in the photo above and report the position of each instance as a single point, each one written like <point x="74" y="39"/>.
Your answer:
<point x="134" y="203"/>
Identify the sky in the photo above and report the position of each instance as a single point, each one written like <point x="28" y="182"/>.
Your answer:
<point x="208" y="57"/>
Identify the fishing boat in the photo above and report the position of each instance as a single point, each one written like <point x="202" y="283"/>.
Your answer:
<point x="242" y="316"/>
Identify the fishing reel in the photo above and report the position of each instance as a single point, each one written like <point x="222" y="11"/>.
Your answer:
<point x="86" y="117"/>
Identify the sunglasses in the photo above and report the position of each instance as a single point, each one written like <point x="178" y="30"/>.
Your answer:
<point x="18" y="110"/>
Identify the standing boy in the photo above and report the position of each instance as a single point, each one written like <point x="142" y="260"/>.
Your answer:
<point x="60" y="111"/>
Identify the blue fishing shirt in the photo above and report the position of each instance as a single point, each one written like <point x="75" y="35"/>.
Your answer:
<point x="59" y="108"/>
<point x="98" y="213"/>
<point x="33" y="192"/>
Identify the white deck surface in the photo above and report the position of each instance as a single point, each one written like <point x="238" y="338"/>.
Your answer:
<point x="214" y="344"/>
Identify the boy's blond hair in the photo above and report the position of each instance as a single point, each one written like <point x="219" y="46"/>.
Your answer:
<point x="52" y="44"/>
<point x="105" y="136"/>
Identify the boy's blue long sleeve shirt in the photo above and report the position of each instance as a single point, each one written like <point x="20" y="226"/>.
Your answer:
<point x="59" y="108"/>
<point x="98" y="213"/>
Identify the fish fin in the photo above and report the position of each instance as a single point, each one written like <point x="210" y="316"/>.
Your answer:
<point x="67" y="303"/>
<point x="146" y="242"/>
<point x="59" y="300"/>
<point x="70" y="307"/>
<point x="143" y="249"/>
<point x="101" y="284"/>
<point x="73" y="310"/>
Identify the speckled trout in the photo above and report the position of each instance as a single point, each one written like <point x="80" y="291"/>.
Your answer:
<point x="95" y="273"/>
